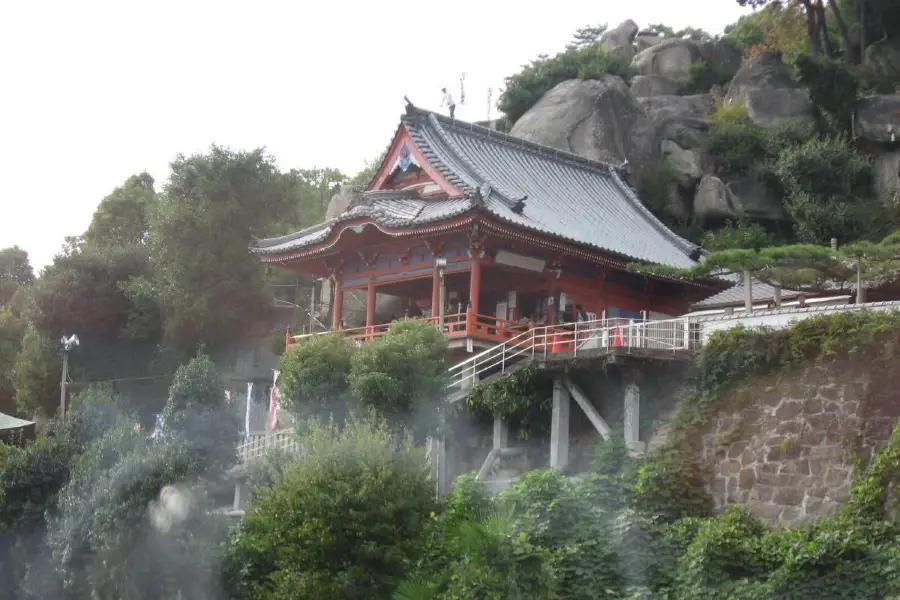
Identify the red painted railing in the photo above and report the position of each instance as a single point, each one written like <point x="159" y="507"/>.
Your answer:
<point x="457" y="325"/>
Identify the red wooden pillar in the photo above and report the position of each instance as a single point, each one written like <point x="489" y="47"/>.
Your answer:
<point x="370" y="309"/>
<point x="337" y="312"/>
<point x="475" y="283"/>
<point x="435" y="295"/>
<point x="474" y="292"/>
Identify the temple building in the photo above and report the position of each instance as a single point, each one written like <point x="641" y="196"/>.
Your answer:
<point x="516" y="235"/>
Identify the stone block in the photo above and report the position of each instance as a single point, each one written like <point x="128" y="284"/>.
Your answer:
<point x="829" y="392"/>
<point x="746" y="479"/>
<point x="813" y="406"/>
<point x="764" y="510"/>
<point x="788" y="409"/>
<point x="840" y="495"/>
<point x="789" y="496"/>
<point x="737" y="449"/>
<point x="730" y="467"/>
<point x="790" y="515"/>
<point x="763" y="493"/>
<point x="798" y="466"/>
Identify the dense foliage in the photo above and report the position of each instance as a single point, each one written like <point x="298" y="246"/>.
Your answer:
<point x="579" y="61"/>
<point x="345" y="520"/>
<point x="95" y="508"/>
<point x="401" y="376"/>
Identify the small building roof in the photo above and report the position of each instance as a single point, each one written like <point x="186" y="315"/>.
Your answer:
<point x="734" y="296"/>
<point x="527" y="185"/>
<point x="10" y="422"/>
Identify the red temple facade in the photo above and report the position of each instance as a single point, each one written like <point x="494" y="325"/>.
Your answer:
<point x="530" y="236"/>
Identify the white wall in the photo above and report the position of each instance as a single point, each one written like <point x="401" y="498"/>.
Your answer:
<point x="781" y="318"/>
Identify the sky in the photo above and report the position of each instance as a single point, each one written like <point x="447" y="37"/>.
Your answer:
<point x="94" y="91"/>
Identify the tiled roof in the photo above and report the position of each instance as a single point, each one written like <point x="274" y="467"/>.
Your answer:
<point x="734" y="296"/>
<point x="563" y="195"/>
<point x="10" y="422"/>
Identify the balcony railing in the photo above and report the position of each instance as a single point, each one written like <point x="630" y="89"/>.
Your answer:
<point x="261" y="444"/>
<point x="456" y="326"/>
<point x="573" y="338"/>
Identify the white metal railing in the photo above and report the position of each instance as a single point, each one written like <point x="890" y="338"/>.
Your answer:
<point x="574" y="338"/>
<point x="261" y="444"/>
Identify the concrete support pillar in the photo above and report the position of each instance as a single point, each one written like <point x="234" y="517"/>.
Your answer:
<point x="241" y="494"/>
<point x="501" y="433"/>
<point x="748" y="292"/>
<point x="559" y="425"/>
<point x="632" y="413"/>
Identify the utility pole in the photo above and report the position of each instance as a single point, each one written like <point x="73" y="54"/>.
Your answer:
<point x="68" y="344"/>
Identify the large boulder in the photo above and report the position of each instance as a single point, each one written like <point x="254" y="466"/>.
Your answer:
<point x="620" y="39"/>
<point x="670" y="58"/>
<point x="883" y="58"/>
<point x="341" y="201"/>
<point x="878" y="118"/>
<point x="766" y="86"/>
<point x="645" y="86"/>
<point x="687" y="163"/>
<point x="721" y="55"/>
<point x="716" y="200"/>
<point x="887" y="176"/>
<point x="646" y="39"/>
<point x="598" y="119"/>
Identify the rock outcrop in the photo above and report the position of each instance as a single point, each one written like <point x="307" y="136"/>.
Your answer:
<point x="766" y="86"/>
<point x="670" y="59"/>
<point x="620" y="39"/>
<point x="878" y="119"/>
<point x="597" y="119"/>
<point x="607" y="120"/>
<point x="341" y="201"/>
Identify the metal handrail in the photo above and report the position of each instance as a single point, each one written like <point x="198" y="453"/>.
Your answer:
<point x="671" y="334"/>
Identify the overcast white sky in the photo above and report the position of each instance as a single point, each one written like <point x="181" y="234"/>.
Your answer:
<point x="94" y="91"/>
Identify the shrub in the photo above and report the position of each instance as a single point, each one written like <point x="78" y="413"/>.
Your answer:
<point x="735" y="142"/>
<point x="314" y="373"/>
<point x="741" y="234"/>
<point x="657" y="188"/>
<point x="346" y="520"/>
<point x="701" y="77"/>
<point x="403" y="374"/>
<point x="827" y="182"/>
<point x="524" y="89"/>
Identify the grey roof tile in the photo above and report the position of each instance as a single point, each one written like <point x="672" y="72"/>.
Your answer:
<point x="734" y="296"/>
<point x="10" y="422"/>
<point x="566" y="196"/>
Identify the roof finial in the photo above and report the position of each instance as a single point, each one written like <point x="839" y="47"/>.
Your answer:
<point x="409" y="104"/>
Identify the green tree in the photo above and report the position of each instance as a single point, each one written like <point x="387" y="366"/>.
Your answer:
<point x="525" y="88"/>
<point x="12" y="328"/>
<point x="15" y="271"/>
<point x="122" y="218"/>
<point x="206" y="282"/>
<point x="587" y="36"/>
<point x="828" y="183"/>
<point x="37" y="374"/>
<point x="103" y="543"/>
<point x="403" y="374"/>
<point x="345" y="520"/>
<point x="197" y="417"/>
<point x="314" y="374"/>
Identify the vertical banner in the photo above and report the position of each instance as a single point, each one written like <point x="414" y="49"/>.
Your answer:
<point x="273" y="402"/>
<point x="247" y="411"/>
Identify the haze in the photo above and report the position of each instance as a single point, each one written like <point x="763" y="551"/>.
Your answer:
<point x="95" y="91"/>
